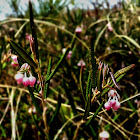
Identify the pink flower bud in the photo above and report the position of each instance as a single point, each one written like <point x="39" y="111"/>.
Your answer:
<point x="14" y="58"/>
<point x="15" y="61"/>
<point x="26" y="81"/>
<point x="107" y="105"/>
<point x="19" y="77"/>
<point x="32" y="80"/>
<point x="78" y="30"/>
<point x="111" y="93"/>
<point x="112" y="102"/>
<point x="109" y="27"/>
<point x="14" y="64"/>
<point x="25" y="66"/>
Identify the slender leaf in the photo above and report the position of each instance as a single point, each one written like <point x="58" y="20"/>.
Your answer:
<point x="37" y="126"/>
<point x="34" y="101"/>
<point x="58" y="65"/>
<point x="23" y="54"/>
<point x="89" y="121"/>
<point x="36" y="52"/>
<point x="47" y="84"/>
<point x="93" y="64"/>
<point x="87" y="107"/>
<point x="57" y="109"/>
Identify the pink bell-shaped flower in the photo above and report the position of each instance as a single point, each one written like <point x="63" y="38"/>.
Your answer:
<point x="107" y="105"/>
<point x="32" y="80"/>
<point x="25" y="81"/>
<point x="116" y="106"/>
<point x="112" y="102"/>
<point x="78" y="29"/>
<point x="81" y="63"/>
<point x="104" y="135"/>
<point x="19" y="77"/>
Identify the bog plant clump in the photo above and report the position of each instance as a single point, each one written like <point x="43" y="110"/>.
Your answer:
<point x="70" y="76"/>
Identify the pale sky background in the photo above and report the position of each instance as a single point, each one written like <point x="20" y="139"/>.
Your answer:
<point x="5" y="8"/>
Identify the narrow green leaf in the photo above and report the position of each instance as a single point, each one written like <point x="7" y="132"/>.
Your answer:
<point x="130" y="40"/>
<point x="23" y="54"/>
<point x="114" y="119"/>
<point x="98" y="38"/>
<point x="57" y="109"/>
<point x="87" y="107"/>
<point x="93" y="64"/>
<point x="88" y="86"/>
<point x="36" y="52"/>
<point x="34" y="101"/>
<point x="58" y="65"/>
<point x="70" y="97"/>
<point x="37" y="126"/>
<point x="111" y="85"/>
<point x="47" y="84"/>
<point x="89" y="121"/>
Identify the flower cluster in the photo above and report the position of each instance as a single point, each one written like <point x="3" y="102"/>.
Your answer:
<point x="113" y="101"/>
<point x="21" y="76"/>
<point x="14" y="60"/>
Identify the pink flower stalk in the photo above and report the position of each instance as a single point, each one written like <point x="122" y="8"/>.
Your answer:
<point x="113" y="100"/>
<point x="81" y="63"/>
<point x="19" y="77"/>
<point x="109" y="27"/>
<point x="78" y="29"/>
<point x="104" y="135"/>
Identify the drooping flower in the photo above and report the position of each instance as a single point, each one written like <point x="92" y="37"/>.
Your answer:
<point x="81" y="63"/>
<point x="78" y="29"/>
<point x="113" y="101"/>
<point x="22" y="76"/>
<point x="104" y="135"/>
<point x="19" y="77"/>
<point x="32" y="80"/>
<point x="25" y="81"/>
